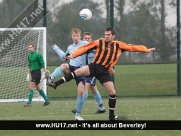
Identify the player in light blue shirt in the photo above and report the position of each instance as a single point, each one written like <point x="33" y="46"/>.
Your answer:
<point x="91" y="81"/>
<point x="72" y="66"/>
<point x="77" y="62"/>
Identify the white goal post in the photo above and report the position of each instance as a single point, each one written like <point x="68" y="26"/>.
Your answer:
<point x="14" y="62"/>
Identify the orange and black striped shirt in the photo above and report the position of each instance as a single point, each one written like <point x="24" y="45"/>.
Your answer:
<point x="107" y="54"/>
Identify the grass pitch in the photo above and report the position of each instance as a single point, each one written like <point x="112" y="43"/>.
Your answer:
<point x="130" y="81"/>
<point x="130" y="108"/>
<point x="153" y="108"/>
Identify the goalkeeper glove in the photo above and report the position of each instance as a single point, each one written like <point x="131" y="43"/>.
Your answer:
<point x="28" y="77"/>
<point x="43" y="75"/>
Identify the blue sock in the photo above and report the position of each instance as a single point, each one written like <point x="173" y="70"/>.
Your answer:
<point x="85" y="96"/>
<point x="79" y="105"/>
<point x="57" y="72"/>
<point x="98" y="99"/>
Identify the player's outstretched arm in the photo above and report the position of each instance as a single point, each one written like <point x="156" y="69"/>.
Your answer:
<point x="59" y="52"/>
<point x="151" y="50"/>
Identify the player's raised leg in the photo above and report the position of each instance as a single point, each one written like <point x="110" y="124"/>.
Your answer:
<point x="57" y="72"/>
<point x="83" y="71"/>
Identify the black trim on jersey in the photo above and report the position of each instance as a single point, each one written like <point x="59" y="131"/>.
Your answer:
<point x="117" y="47"/>
<point x="89" y="50"/>
<point x="123" y="50"/>
<point x="105" y="53"/>
<point x="100" y="50"/>
<point x="111" y="53"/>
<point x="115" y="56"/>
<point x="86" y="61"/>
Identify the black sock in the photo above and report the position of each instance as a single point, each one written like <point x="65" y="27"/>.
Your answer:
<point x="101" y="105"/>
<point x="66" y="78"/>
<point x="112" y="105"/>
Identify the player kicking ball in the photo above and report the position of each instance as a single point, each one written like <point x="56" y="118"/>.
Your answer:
<point x="107" y="54"/>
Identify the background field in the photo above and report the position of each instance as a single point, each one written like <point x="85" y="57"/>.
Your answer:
<point x="131" y="80"/>
<point x="129" y="108"/>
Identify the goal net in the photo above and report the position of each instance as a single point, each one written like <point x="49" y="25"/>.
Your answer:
<point x="14" y="62"/>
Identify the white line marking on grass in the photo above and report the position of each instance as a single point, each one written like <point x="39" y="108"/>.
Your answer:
<point x="48" y="117"/>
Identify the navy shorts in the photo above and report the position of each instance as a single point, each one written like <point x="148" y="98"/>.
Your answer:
<point x="91" y="80"/>
<point x="36" y="76"/>
<point x="77" y="79"/>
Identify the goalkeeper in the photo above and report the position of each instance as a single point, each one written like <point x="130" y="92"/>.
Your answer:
<point x="36" y="63"/>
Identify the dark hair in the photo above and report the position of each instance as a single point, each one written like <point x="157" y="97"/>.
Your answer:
<point x="31" y="44"/>
<point x="87" y="33"/>
<point x="113" y="32"/>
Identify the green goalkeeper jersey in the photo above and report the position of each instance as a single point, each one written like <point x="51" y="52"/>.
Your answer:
<point x="36" y="61"/>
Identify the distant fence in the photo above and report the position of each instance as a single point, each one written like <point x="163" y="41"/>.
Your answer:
<point x="131" y="81"/>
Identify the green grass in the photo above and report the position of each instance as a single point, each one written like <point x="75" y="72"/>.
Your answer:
<point x="131" y="80"/>
<point x="146" y="79"/>
<point x="91" y="133"/>
<point x="131" y="108"/>
<point x="138" y="108"/>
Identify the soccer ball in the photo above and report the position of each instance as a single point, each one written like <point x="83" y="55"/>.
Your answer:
<point x="85" y="14"/>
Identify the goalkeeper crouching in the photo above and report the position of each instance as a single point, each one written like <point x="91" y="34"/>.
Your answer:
<point x="36" y="63"/>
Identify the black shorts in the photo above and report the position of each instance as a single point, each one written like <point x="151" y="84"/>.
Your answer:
<point x="100" y="72"/>
<point x="36" y="76"/>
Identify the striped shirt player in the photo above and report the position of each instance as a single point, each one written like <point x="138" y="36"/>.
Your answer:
<point x="107" y="54"/>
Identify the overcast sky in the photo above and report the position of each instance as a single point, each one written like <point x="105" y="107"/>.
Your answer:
<point x="170" y="18"/>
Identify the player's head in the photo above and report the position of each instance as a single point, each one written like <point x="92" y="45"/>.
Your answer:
<point x="31" y="47"/>
<point x="76" y="35"/>
<point x="109" y="34"/>
<point x="87" y="36"/>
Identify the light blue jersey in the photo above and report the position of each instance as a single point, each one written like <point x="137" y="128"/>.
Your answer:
<point x="90" y="56"/>
<point x="78" y="61"/>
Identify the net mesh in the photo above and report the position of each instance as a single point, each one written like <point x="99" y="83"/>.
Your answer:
<point x="14" y="63"/>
